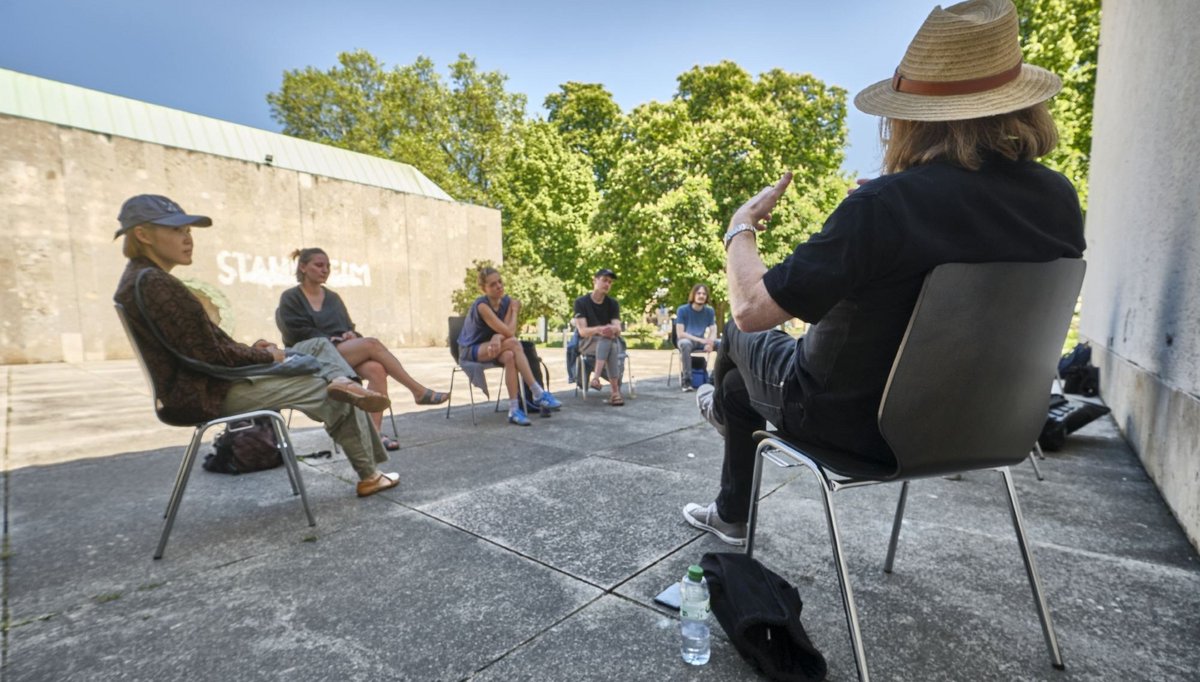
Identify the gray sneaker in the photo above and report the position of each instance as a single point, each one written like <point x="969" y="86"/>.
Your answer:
<point x="707" y="518"/>
<point x="704" y="401"/>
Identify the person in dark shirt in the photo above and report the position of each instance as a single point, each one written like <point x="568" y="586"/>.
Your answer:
<point x="598" y="320"/>
<point x="310" y="310"/>
<point x="961" y="185"/>
<point x="169" y="325"/>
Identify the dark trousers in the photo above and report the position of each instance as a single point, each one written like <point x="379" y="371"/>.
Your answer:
<point x="755" y="383"/>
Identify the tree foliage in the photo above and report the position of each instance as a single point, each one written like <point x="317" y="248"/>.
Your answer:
<point x="685" y="165"/>
<point x="457" y="134"/>
<point x="646" y="193"/>
<point x="1063" y="36"/>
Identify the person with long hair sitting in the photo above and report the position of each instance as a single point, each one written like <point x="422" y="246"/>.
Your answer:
<point x="193" y="363"/>
<point x="310" y="310"/>
<point x="489" y="334"/>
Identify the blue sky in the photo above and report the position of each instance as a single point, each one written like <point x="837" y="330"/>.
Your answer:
<point x="220" y="58"/>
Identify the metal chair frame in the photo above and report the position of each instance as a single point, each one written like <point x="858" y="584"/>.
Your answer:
<point x="918" y="431"/>
<point x="282" y="438"/>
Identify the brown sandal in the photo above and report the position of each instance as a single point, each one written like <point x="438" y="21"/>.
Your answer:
<point x="616" y="400"/>
<point x="378" y="483"/>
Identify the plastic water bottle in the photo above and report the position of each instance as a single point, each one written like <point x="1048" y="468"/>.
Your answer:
<point x="693" y="617"/>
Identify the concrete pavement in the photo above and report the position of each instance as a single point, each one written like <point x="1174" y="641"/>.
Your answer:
<point x="534" y="553"/>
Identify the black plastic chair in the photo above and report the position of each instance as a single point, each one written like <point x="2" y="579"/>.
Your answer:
<point x="189" y="457"/>
<point x="967" y="391"/>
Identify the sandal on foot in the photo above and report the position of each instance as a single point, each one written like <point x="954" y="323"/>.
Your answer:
<point x="432" y="397"/>
<point x="390" y="444"/>
<point x="616" y="400"/>
<point x="379" y="482"/>
<point x="346" y="391"/>
<point x="595" y="385"/>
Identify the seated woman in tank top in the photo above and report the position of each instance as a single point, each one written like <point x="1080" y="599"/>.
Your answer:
<point x="310" y="310"/>
<point x="489" y="334"/>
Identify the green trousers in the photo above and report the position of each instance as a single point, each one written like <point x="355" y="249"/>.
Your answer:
<point x="350" y="428"/>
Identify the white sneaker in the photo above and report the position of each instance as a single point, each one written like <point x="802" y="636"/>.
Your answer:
<point x="707" y="518"/>
<point x="704" y="401"/>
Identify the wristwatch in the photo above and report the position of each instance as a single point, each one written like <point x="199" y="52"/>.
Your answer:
<point x="736" y="230"/>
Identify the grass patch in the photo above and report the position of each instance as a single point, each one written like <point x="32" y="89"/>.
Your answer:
<point x="309" y="538"/>
<point x="106" y="597"/>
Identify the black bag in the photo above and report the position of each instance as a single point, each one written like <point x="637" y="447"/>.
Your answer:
<point x="245" y="446"/>
<point x="760" y="613"/>
<point x="535" y="366"/>
<point x="1065" y="417"/>
<point x="1078" y="374"/>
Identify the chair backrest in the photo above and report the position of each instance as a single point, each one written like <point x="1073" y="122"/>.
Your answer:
<point x="970" y="385"/>
<point x="674" y="334"/>
<point x="455" y="324"/>
<point x="137" y="353"/>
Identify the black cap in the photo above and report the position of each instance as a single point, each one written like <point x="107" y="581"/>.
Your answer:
<point x="605" y="271"/>
<point x="156" y="210"/>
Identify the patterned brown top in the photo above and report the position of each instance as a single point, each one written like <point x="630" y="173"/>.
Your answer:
<point x="184" y="396"/>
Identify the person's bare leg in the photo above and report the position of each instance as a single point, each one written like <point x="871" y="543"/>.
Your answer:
<point x="510" y="372"/>
<point x="500" y="351"/>
<point x="514" y="346"/>
<point x="375" y="377"/>
<point x="358" y="351"/>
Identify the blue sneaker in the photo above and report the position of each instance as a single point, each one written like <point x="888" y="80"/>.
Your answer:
<point x="548" y="400"/>
<point x="517" y="416"/>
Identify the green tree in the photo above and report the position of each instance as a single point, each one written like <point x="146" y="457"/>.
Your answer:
<point x="547" y="199"/>
<point x="590" y="122"/>
<point x="1063" y="36"/>
<point x="685" y="165"/>
<point x="457" y="134"/>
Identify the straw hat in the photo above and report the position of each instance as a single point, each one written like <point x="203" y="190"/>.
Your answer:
<point x="965" y="62"/>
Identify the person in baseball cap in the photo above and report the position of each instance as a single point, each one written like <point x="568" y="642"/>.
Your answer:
<point x="156" y="209"/>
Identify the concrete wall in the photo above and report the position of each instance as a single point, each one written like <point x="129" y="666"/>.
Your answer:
<point x="1141" y="299"/>
<point x="397" y="257"/>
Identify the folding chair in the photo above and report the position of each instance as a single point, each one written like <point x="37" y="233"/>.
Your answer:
<point x="965" y="392"/>
<point x="586" y="364"/>
<point x="189" y="457"/>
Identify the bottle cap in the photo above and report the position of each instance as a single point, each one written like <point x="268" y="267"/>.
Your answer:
<point x="695" y="573"/>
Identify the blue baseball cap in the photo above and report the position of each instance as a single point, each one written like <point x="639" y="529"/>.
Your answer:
<point x="156" y="210"/>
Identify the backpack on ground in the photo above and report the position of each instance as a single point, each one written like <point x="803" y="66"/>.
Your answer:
<point x="245" y="446"/>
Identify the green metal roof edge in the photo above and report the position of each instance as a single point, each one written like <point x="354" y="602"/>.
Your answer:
<point x="41" y="99"/>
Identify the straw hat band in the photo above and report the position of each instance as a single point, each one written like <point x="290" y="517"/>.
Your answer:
<point x="960" y="87"/>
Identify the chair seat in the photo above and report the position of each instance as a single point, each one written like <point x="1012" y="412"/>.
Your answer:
<point x="840" y="462"/>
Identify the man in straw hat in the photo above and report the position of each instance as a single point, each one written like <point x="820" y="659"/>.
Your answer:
<point x="963" y="120"/>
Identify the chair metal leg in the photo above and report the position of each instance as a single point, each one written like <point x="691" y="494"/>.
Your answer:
<point x="181" y="480"/>
<point x="1037" y="470"/>
<point x="632" y="384"/>
<point x="453" y="373"/>
<point x="293" y="466"/>
<point x="860" y="655"/>
<point x="1037" y="448"/>
<point x="827" y="488"/>
<point x="392" y="419"/>
<point x="671" y="363"/>
<point x="1035" y="583"/>
<point x="891" y="553"/>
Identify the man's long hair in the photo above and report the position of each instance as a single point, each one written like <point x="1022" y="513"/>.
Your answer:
<point x="1017" y="136"/>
